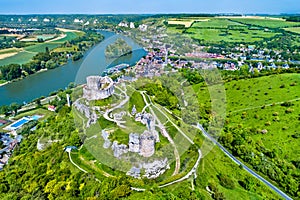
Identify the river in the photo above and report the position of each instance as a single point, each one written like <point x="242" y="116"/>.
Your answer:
<point x="93" y="63"/>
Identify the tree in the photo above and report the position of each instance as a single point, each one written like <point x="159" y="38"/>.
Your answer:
<point x="14" y="108"/>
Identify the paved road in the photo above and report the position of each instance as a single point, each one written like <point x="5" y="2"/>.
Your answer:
<point x="278" y="191"/>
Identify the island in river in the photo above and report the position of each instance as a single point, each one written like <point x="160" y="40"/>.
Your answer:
<point x="117" y="49"/>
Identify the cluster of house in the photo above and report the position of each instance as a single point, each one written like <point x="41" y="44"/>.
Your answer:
<point x="8" y="145"/>
<point x="141" y="27"/>
<point x="150" y="66"/>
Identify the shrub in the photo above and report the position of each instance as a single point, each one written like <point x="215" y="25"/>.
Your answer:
<point x="289" y="110"/>
<point x="226" y="181"/>
<point x="275" y="114"/>
<point x="268" y="123"/>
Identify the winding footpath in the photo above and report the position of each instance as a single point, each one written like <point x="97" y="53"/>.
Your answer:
<point x="270" y="185"/>
<point x="69" y="153"/>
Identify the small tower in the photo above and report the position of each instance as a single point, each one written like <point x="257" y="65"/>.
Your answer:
<point x="68" y="99"/>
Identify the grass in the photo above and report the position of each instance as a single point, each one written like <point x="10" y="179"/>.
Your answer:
<point x="281" y="125"/>
<point x="261" y="91"/>
<point x="119" y="135"/>
<point x="137" y="100"/>
<point x="187" y="24"/>
<point x="293" y="29"/>
<point x="25" y="56"/>
<point x="20" y="58"/>
<point x="216" y="23"/>
<point x="267" y="23"/>
<point x="215" y="163"/>
<point x="255" y="92"/>
<point x="70" y="36"/>
<point x="10" y="50"/>
<point x="229" y="35"/>
<point x="255" y="104"/>
<point x="41" y="47"/>
<point x="38" y="111"/>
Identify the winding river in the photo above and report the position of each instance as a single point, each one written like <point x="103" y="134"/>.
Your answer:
<point x="93" y="63"/>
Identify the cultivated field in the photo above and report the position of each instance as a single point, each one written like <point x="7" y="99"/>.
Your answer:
<point x="267" y="23"/>
<point x="212" y="35"/>
<point x="293" y="29"/>
<point x="24" y="55"/>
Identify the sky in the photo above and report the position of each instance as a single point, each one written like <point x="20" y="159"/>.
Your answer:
<point x="148" y="6"/>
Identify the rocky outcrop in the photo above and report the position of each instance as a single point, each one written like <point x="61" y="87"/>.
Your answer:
<point x="156" y="168"/>
<point x="134" y="143"/>
<point x="119" y="150"/>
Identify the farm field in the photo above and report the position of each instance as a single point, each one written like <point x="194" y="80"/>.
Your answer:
<point x="229" y="35"/>
<point x="25" y="56"/>
<point x="215" y="30"/>
<point x="34" y="38"/>
<point x="267" y="23"/>
<point x="215" y="23"/>
<point x="20" y="58"/>
<point x="293" y="29"/>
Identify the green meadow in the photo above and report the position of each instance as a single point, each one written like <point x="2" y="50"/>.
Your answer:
<point x="267" y="23"/>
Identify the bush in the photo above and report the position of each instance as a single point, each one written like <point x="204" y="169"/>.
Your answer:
<point x="275" y="114"/>
<point x="226" y="181"/>
<point x="289" y="110"/>
<point x="268" y="123"/>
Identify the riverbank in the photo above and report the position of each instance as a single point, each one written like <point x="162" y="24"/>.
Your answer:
<point x="94" y="62"/>
<point x="89" y="43"/>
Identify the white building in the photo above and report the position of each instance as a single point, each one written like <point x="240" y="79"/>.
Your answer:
<point x="132" y="25"/>
<point x="78" y="21"/>
<point x="143" y="27"/>
<point x="123" y="24"/>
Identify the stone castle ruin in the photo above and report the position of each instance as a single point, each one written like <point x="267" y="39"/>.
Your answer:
<point x="98" y="88"/>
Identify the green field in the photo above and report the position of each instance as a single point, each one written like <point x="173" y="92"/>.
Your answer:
<point x="266" y="90"/>
<point x="267" y="23"/>
<point x="215" y="23"/>
<point x="20" y="58"/>
<point x="262" y="125"/>
<point x="281" y="125"/>
<point x="229" y="35"/>
<point x="293" y="29"/>
<point x="42" y="47"/>
<point x="70" y="36"/>
<point x="25" y="56"/>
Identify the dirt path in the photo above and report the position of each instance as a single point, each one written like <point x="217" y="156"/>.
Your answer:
<point x="266" y="105"/>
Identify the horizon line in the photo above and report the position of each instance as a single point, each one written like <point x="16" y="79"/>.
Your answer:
<point x="154" y="13"/>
